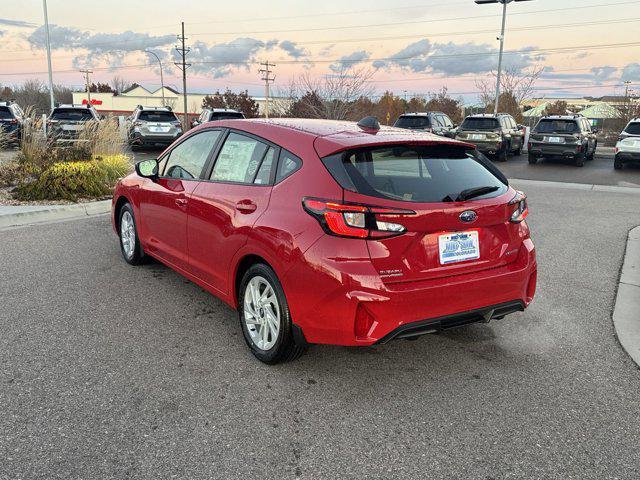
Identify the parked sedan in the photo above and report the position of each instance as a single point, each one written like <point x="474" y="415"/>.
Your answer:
<point x="330" y="232"/>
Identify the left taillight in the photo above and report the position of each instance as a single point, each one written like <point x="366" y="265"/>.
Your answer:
<point x="356" y="220"/>
<point x="522" y="208"/>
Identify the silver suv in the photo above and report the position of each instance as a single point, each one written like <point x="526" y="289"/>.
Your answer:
<point x="153" y="126"/>
<point x="65" y="122"/>
<point x="213" y="114"/>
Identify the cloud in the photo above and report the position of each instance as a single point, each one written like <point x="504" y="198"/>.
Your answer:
<point x="350" y="60"/>
<point x="595" y="75"/>
<point x="222" y="58"/>
<point x="293" y="49"/>
<point x="16" y="23"/>
<point x="631" y="72"/>
<point x="1" y="33"/>
<point x="603" y="73"/>
<point x="455" y="58"/>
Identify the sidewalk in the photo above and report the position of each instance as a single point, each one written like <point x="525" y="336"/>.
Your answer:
<point x="17" y="215"/>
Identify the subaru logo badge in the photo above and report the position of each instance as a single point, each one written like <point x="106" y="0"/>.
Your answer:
<point x="468" y="216"/>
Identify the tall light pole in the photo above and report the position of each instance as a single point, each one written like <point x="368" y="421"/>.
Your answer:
<point x="161" y="76"/>
<point x="48" y="41"/>
<point x="504" y="23"/>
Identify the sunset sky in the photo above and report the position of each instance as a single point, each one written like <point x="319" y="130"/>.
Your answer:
<point x="588" y="47"/>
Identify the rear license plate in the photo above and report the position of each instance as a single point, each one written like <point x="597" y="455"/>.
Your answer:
<point x="159" y="129"/>
<point x="554" y="139"/>
<point x="458" y="247"/>
<point x="477" y="136"/>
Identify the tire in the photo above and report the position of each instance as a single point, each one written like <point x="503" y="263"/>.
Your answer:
<point x="266" y="317"/>
<point x="579" y="160"/>
<point x="128" y="234"/>
<point x="518" y="152"/>
<point x="533" y="159"/>
<point x="617" y="163"/>
<point x="501" y="156"/>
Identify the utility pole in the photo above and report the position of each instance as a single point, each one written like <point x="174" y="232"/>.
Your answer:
<point x="86" y="81"/>
<point x="501" y="38"/>
<point x="46" y="27"/>
<point x="161" y="75"/>
<point x="627" y="100"/>
<point x="183" y="50"/>
<point x="268" y="79"/>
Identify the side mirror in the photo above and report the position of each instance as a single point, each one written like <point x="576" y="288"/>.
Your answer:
<point x="147" y="169"/>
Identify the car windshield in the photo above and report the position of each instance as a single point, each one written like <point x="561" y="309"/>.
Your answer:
<point x="226" y="115"/>
<point x="557" y="126"/>
<point x="157" y="116"/>
<point x="413" y="173"/>
<point x="72" y="114"/>
<point x="5" y="113"/>
<point x="480" y="123"/>
<point x="413" y="122"/>
<point x="633" y="128"/>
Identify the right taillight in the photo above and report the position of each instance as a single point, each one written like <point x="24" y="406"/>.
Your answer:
<point x="353" y="220"/>
<point x="522" y="209"/>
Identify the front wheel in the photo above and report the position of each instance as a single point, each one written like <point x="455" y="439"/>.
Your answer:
<point x="533" y="159"/>
<point x="265" y="318"/>
<point x="579" y="160"/>
<point x="129" y="240"/>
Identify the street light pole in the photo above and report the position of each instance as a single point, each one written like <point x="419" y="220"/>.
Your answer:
<point x="48" y="42"/>
<point x="504" y="23"/>
<point x="161" y="75"/>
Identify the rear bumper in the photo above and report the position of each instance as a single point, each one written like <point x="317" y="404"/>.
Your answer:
<point x="489" y="147"/>
<point x="629" y="156"/>
<point x="552" y="150"/>
<point x="152" y="140"/>
<point x="348" y="291"/>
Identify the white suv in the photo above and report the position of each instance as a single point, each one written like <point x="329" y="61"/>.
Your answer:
<point x="628" y="146"/>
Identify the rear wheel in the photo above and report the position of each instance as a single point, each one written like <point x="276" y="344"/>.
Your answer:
<point x="265" y="318"/>
<point x="533" y="159"/>
<point x="617" y="163"/>
<point x="129" y="240"/>
<point x="592" y="155"/>
<point x="502" y="154"/>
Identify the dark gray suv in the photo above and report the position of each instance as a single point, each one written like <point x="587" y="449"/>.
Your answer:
<point x="433" y="122"/>
<point x="496" y="135"/>
<point x="563" y="136"/>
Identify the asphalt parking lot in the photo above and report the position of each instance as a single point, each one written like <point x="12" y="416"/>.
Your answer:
<point x="111" y="371"/>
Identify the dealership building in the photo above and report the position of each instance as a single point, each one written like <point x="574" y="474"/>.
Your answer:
<point x="124" y="103"/>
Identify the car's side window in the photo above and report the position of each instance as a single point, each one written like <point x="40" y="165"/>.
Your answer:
<point x="241" y="159"/>
<point x="287" y="165"/>
<point x="187" y="159"/>
<point x="446" y="121"/>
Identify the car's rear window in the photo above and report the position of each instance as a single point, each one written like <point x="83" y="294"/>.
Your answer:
<point x="413" y="122"/>
<point x="157" y="116"/>
<point x="413" y="173"/>
<point x="5" y="113"/>
<point x="479" y="123"/>
<point x="633" y="128"/>
<point x="557" y="126"/>
<point x="225" y="116"/>
<point x="72" y="114"/>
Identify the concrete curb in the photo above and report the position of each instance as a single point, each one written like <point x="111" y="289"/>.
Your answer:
<point x="626" y="313"/>
<point x="54" y="213"/>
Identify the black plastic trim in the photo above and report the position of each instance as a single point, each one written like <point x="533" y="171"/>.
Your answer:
<point x="433" y="325"/>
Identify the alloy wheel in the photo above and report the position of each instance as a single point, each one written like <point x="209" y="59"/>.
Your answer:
<point x="261" y="313"/>
<point x="127" y="234"/>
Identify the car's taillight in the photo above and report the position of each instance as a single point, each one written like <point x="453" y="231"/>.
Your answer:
<point x="137" y="123"/>
<point x="616" y="150"/>
<point x="522" y="209"/>
<point x="14" y="121"/>
<point x="355" y="220"/>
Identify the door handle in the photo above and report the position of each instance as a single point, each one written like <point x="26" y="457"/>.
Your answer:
<point x="181" y="202"/>
<point x="246" y="206"/>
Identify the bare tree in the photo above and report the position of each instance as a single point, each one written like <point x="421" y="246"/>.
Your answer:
<point x="119" y="84"/>
<point x="518" y="83"/>
<point x="337" y="92"/>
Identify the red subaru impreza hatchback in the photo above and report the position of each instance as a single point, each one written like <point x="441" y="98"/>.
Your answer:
<point x="332" y="232"/>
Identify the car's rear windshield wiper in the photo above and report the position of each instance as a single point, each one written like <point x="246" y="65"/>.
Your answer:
<point x="475" y="192"/>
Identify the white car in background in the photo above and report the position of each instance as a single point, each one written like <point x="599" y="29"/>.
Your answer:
<point x="628" y="146"/>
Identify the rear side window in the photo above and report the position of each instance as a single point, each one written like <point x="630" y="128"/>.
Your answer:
<point x="412" y="173"/>
<point x="479" y="123"/>
<point x="287" y="165"/>
<point x="557" y="126"/>
<point x="633" y="128"/>
<point x="157" y="116"/>
<point x="5" y="113"/>
<point x="72" y="114"/>
<point x="413" y="122"/>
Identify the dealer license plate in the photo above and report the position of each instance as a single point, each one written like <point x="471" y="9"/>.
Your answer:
<point x="458" y="247"/>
